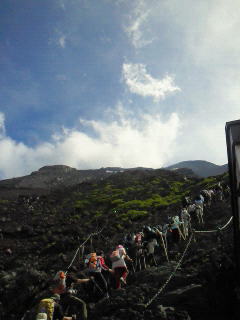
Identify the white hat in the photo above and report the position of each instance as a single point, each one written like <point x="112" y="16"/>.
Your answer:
<point x="41" y="316"/>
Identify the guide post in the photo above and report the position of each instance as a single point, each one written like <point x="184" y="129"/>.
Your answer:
<point x="232" y="130"/>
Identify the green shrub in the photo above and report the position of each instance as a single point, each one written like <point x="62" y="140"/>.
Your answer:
<point x="133" y="215"/>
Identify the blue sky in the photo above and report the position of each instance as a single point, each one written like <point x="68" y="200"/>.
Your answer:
<point x="116" y="83"/>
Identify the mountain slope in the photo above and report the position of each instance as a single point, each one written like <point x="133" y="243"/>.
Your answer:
<point x="43" y="236"/>
<point x="200" y="167"/>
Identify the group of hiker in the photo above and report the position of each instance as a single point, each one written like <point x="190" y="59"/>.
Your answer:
<point x="136" y="251"/>
<point x="63" y="287"/>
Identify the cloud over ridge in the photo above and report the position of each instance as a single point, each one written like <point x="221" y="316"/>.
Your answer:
<point x="124" y="142"/>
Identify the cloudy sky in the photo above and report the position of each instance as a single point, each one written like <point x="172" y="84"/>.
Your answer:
<point x="96" y="83"/>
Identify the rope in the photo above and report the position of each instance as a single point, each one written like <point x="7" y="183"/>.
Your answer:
<point x="80" y="246"/>
<point x="226" y="224"/>
<point x="171" y="275"/>
<point x="210" y="231"/>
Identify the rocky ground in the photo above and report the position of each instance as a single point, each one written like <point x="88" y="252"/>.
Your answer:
<point x="202" y="288"/>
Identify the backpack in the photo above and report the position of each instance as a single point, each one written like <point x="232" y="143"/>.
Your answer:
<point x="45" y="309"/>
<point x="138" y="238"/>
<point x="41" y="316"/>
<point x="92" y="261"/>
<point x="149" y="234"/>
<point x="115" y="256"/>
<point x="59" y="283"/>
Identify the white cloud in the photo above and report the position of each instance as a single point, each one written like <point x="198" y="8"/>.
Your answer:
<point x="142" y="83"/>
<point x="137" y="20"/>
<point x="124" y="142"/>
<point x="2" y="125"/>
<point x="62" y="5"/>
<point x="62" y="41"/>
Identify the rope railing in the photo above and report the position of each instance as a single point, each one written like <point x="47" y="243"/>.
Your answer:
<point x="81" y="245"/>
<point x="171" y="275"/>
<point x="181" y="259"/>
<point x="216" y="230"/>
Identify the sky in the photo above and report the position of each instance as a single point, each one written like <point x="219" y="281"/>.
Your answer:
<point x="99" y="83"/>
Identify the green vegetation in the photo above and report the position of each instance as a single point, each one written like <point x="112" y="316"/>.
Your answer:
<point x="133" y="215"/>
<point x="2" y="201"/>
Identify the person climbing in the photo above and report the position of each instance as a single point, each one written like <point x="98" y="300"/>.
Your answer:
<point x="199" y="201"/>
<point x="186" y="221"/>
<point x="219" y="192"/>
<point x="95" y="265"/>
<point x="50" y="309"/>
<point x="161" y="241"/>
<point x="207" y="196"/>
<point x="137" y="252"/>
<point x="175" y="230"/>
<point x="58" y="284"/>
<point x="129" y="240"/>
<point x="226" y="192"/>
<point x="119" y="266"/>
<point x="69" y="298"/>
<point x="185" y="201"/>
<point x="106" y="272"/>
<point x="150" y="240"/>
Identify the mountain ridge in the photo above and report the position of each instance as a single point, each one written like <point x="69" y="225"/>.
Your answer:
<point x="49" y="178"/>
<point x="201" y="168"/>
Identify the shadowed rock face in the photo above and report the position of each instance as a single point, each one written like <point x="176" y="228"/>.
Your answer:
<point x="43" y="236"/>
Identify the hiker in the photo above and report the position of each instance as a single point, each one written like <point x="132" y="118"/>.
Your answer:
<point x="212" y="195"/>
<point x="207" y="196"/>
<point x="150" y="241"/>
<point x="186" y="221"/>
<point x="50" y="309"/>
<point x="95" y="265"/>
<point x="119" y="266"/>
<point x="129" y="240"/>
<point x="161" y="241"/>
<point x="185" y="202"/>
<point x="175" y="230"/>
<point x="58" y="284"/>
<point x="219" y="192"/>
<point x="61" y="285"/>
<point x="137" y="253"/>
<point x="130" y="247"/>
<point x="199" y="208"/>
<point x="69" y="298"/>
<point x="226" y="192"/>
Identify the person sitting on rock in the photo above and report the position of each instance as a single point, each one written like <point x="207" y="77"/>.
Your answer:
<point x="119" y="266"/>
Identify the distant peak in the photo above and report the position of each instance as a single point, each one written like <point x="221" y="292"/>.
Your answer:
<point x="58" y="167"/>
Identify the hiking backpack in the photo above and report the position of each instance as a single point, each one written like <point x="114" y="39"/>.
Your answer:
<point x="59" y="283"/>
<point x="115" y="256"/>
<point x="92" y="261"/>
<point x="149" y="234"/>
<point x="41" y="316"/>
<point x="45" y="309"/>
<point x="138" y="238"/>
